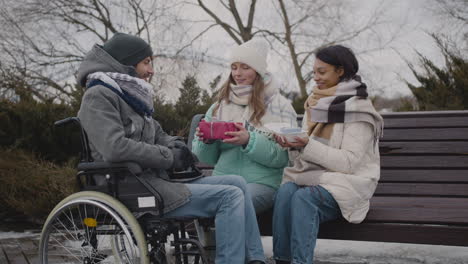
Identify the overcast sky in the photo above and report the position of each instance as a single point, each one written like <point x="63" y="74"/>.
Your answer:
<point x="384" y="70"/>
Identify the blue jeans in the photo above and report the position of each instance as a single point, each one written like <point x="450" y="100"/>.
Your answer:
<point x="297" y="215"/>
<point x="228" y="200"/>
<point x="262" y="196"/>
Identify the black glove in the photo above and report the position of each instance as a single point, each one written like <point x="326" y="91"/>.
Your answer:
<point x="178" y="141"/>
<point x="182" y="156"/>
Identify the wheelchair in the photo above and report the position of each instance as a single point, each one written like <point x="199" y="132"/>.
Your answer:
<point x="107" y="221"/>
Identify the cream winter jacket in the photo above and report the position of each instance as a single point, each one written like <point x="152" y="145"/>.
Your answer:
<point x="351" y="164"/>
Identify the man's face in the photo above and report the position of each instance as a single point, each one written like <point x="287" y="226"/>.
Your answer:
<point x="144" y="69"/>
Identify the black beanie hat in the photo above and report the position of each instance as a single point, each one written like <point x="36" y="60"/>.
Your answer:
<point x="127" y="49"/>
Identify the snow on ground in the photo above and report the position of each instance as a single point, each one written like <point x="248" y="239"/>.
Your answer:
<point x="358" y="252"/>
<point x="352" y="252"/>
<point x="13" y="234"/>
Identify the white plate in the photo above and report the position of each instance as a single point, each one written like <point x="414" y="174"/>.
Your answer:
<point x="286" y="130"/>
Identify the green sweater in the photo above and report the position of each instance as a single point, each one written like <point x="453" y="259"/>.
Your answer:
<point x="261" y="161"/>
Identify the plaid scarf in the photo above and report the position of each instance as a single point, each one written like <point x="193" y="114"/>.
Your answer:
<point x="346" y="102"/>
<point x="134" y="91"/>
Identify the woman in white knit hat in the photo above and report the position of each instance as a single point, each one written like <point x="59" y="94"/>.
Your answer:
<point x="250" y="94"/>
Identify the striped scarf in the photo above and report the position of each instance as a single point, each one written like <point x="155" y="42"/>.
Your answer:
<point x="136" y="92"/>
<point x="346" y="102"/>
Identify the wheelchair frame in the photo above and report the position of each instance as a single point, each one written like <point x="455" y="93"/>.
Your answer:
<point x="148" y="231"/>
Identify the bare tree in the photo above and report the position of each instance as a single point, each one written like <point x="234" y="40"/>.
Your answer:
<point x="457" y="9"/>
<point x="44" y="40"/>
<point x="454" y="14"/>
<point x="300" y="27"/>
<point x="240" y="32"/>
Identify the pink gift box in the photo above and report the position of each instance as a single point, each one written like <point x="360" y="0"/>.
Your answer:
<point x="216" y="130"/>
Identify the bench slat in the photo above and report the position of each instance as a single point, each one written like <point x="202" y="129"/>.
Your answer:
<point x="426" y="202"/>
<point x="399" y="233"/>
<point x="423" y="114"/>
<point x="434" y="147"/>
<point x="427" y="210"/>
<point x="384" y="232"/>
<point x="446" y="162"/>
<point x="407" y="162"/>
<point x="432" y="175"/>
<point x="426" y="134"/>
<point x="416" y="215"/>
<point x="422" y="189"/>
<point x="426" y="122"/>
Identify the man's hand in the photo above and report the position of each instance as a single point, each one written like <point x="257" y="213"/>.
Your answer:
<point x="183" y="157"/>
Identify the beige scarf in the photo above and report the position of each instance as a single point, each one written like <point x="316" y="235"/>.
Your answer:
<point x="346" y="102"/>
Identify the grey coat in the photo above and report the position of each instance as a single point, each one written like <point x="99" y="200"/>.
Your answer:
<point x="117" y="133"/>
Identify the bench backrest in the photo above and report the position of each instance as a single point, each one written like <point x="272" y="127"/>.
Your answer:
<point x="424" y="157"/>
<point x="422" y="195"/>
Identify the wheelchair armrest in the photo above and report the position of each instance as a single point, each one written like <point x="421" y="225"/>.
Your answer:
<point x="133" y="167"/>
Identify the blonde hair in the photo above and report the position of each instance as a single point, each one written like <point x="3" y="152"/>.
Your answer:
<point x="256" y="101"/>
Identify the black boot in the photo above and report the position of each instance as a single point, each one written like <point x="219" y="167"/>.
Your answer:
<point x="256" y="262"/>
<point x="282" y="262"/>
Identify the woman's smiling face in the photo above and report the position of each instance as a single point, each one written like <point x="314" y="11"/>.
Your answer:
<point x="326" y="75"/>
<point x="243" y="74"/>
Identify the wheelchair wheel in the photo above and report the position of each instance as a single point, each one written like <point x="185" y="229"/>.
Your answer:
<point x="92" y="227"/>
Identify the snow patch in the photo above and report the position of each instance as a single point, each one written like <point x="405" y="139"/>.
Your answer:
<point x="359" y="252"/>
<point x="12" y="234"/>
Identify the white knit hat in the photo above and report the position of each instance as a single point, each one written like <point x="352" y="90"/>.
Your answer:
<point x="253" y="53"/>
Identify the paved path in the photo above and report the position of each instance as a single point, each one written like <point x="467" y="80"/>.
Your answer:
<point x="19" y="250"/>
<point x="22" y="249"/>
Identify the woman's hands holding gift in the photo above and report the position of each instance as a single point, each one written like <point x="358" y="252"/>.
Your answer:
<point x="228" y="132"/>
<point x="240" y="137"/>
<point x="199" y="134"/>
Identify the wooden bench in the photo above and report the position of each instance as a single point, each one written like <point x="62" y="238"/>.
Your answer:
<point x="422" y="195"/>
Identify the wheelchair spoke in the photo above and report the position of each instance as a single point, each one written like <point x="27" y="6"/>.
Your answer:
<point x="70" y="218"/>
<point x="83" y="231"/>
<point x="60" y="245"/>
<point x="68" y="232"/>
<point x="65" y="228"/>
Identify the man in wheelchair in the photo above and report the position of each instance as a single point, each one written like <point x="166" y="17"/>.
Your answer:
<point x="116" y="113"/>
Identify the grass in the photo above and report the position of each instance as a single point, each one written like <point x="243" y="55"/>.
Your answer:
<point x="30" y="186"/>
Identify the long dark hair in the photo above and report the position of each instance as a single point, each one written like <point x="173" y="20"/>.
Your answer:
<point x="340" y="57"/>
